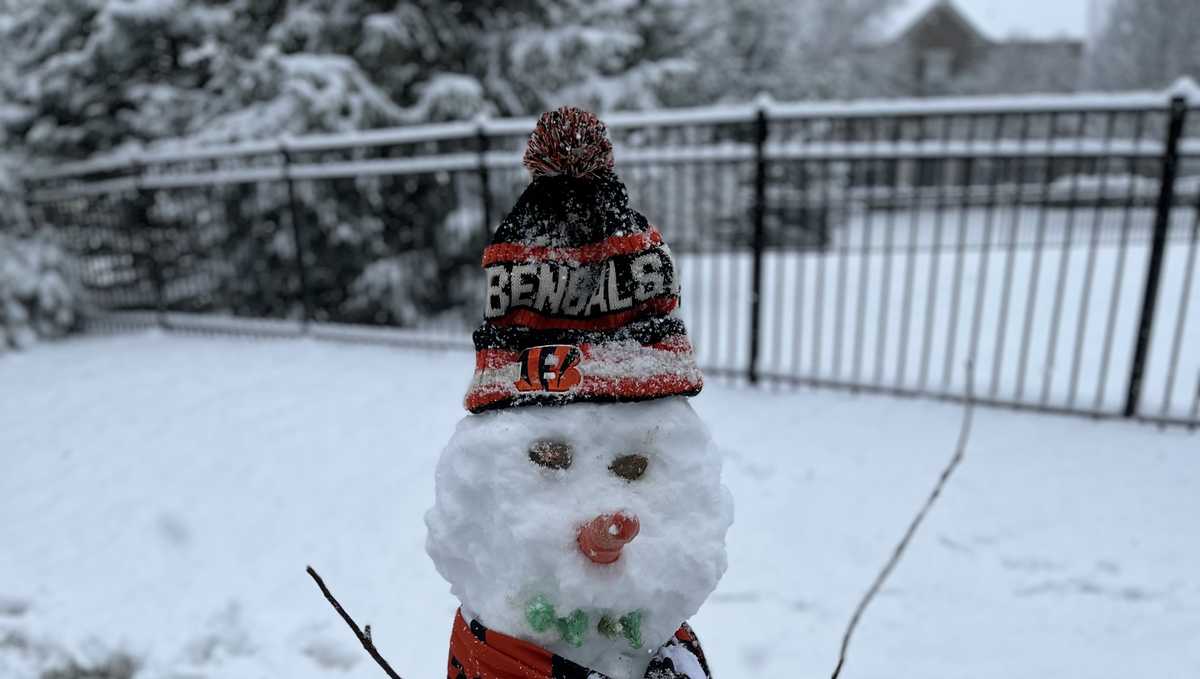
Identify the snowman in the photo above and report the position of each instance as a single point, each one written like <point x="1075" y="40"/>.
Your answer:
<point x="579" y="514"/>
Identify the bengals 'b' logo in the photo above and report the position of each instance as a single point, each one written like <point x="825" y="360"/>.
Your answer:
<point x="550" y="368"/>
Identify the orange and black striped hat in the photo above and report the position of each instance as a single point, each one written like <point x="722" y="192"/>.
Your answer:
<point x="582" y="291"/>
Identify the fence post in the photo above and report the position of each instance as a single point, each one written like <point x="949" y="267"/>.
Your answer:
<point x="758" y="216"/>
<point x="1177" y="116"/>
<point x="485" y="194"/>
<point x="297" y="236"/>
<point x="140" y="217"/>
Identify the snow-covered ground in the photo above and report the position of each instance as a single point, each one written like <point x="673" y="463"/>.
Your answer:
<point x="161" y="495"/>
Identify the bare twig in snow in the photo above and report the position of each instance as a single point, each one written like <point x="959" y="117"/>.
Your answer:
<point x="964" y="433"/>
<point x="363" y="637"/>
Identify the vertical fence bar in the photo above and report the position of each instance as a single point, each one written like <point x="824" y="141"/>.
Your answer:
<point x="994" y="176"/>
<point x="298" y="237"/>
<point x="1162" y="221"/>
<point x="885" y="281"/>
<point x="1119" y="275"/>
<point x="687" y="226"/>
<point x="826" y="164"/>
<point x="935" y="252"/>
<point x="759" y="216"/>
<point x="910" y="262"/>
<point x="729" y="191"/>
<point x="864" y="258"/>
<point x="692" y="246"/>
<point x="482" y="145"/>
<point x="711" y="289"/>
<point x="1039" y="244"/>
<point x="1181" y="316"/>
<point x="845" y="187"/>
<point x="985" y="246"/>
<point x="1062" y="275"/>
<point x="801" y="268"/>
<point x="960" y="253"/>
<point x="140" y="219"/>
<point x="781" y="261"/>
<point x="1090" y="269"/>
<point x="1019" y="168"/>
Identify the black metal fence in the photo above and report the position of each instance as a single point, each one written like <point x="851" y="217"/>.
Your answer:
<point x="874" y="246"/>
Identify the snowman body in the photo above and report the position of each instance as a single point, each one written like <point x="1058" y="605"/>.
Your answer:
<point x="505" y="529"/>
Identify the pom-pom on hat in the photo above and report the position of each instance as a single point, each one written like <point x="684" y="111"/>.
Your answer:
<point x="582" y="291"/>
<point x="569" y="141"/>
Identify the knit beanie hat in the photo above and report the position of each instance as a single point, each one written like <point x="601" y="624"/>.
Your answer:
<point x="581" y="289"/>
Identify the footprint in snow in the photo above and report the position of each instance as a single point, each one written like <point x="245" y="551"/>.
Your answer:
<point x="331" y="655"/>
<point x="1088" y="587"/>
<point x="735" y="597"/>
<point x="317" y="643"/>
<point x="954" y="545"/>
<point x="1031" y="564"/>
<point x="173" y="530"/>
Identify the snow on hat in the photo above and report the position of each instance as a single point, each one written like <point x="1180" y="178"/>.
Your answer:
<point x="581" y="289"/>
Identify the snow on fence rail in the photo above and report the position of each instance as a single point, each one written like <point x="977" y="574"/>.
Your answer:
<point x="712" y="115"/>
<point x="1002" y="149"/>
<point x="868" y="245"/>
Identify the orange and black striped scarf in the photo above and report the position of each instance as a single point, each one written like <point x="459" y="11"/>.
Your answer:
<point x="479" y="653"/>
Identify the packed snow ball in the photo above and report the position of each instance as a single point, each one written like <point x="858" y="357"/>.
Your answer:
<point x="514" y="490"/>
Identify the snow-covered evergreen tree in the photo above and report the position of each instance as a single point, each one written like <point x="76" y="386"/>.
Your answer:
<point x="93" y="75"/>
<point x="1147" y="44"/>
<point x="602" y="55"/>
<point x="81" y="77"/>
<point x="790" y="49"/>
<point x="39" y="293"/>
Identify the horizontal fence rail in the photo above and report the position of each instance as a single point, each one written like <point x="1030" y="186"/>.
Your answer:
<point x="870" y="246"/>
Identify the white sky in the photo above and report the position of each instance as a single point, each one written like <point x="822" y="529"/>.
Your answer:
<point x="1004" y="18"/>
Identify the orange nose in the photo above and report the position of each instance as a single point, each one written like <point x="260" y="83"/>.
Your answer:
<point x="602" y="538"/>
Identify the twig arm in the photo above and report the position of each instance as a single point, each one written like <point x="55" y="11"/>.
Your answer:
<point x="960" y="449"/>
<point x="363" y="637"/>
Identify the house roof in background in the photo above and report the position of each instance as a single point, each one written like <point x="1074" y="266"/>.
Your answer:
<point x="953" y="11"/>
<point x="1001" y="19"/>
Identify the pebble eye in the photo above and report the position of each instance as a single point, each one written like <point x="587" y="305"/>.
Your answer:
<point x="629" y="467"/>
<point x="551" y="454"/>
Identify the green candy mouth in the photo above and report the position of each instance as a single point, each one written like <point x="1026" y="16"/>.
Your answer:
<point x="628" y="626"/>
<point x="574" y="628"/>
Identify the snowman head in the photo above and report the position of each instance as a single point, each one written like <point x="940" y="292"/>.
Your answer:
<point x="593" y="530"/>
